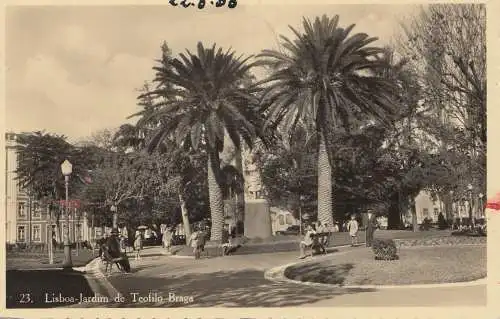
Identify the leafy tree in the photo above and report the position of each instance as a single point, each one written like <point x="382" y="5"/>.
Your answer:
<point x="329" y="78"/>
<point x="447" y="45"/>
<point x="199" y="102"/>
<point x="40" y="156"/>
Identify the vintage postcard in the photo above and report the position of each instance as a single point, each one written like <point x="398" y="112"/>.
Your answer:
<point x="231" y="158"/>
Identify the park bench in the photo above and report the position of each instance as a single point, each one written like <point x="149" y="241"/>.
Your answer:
<point x="317" y="247"/>
<point x="108" y="260"/>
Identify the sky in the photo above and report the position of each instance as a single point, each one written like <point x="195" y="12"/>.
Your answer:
<point x="76" y="70"/>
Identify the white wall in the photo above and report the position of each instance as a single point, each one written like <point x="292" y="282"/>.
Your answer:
<point x="11" y="190"/>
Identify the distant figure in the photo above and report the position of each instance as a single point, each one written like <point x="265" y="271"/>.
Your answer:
<point x="307" y="242"/>
<point x="167" y="239"/>
<point x="370" y="226"/>
<point x="353" y="228"/>
<point x="226" y="240"/>
<point x="138" y="244"/>
<point x="323" y="240"/>
<point x="335" y="227"/>
<point x="194" y="241"/>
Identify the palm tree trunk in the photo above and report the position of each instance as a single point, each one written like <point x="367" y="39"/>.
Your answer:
<point x="215" y="197"/>
<point x="324" y="184"/>
<point x="240" y="200"/>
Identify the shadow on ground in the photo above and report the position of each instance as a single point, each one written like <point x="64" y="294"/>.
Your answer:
<point x="245" y="288"/>
<point x="319" y="272"/>
<point x="39" y="288"/>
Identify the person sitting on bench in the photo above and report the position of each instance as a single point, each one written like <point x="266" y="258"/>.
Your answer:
<point x="307" y="242"/>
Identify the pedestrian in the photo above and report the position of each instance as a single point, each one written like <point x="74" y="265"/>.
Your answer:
<point x="194" y="242"/>
<point x="370" y="226"/>
<point x="226" y="240"/>
<point x="123" y="244"/>
<point x="138" y="244"/>
<point x="167" y="239"/>
<point x="353" y="228"/>
<point x="323" y="233"/>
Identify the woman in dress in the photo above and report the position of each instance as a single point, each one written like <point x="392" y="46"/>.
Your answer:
<point x="353" y="228"/>
<point x="138" y="244"/>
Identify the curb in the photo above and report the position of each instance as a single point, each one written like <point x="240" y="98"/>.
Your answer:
<point x="277" y="274"/>
<point x="97" y="281"/>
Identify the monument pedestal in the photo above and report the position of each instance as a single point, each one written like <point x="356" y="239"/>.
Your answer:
<point x="257" y="219"/>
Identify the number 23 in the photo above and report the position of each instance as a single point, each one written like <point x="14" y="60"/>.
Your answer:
<point x="25" y="298"/>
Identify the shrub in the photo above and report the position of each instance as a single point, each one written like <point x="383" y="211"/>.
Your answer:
<point x="384" y="249"/>
<point x="442" y="224"/>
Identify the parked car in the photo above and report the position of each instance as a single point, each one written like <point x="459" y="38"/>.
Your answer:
<point x="291" y="230"/>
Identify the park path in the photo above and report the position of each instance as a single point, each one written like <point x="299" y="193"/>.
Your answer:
<point x="238" y="281"/>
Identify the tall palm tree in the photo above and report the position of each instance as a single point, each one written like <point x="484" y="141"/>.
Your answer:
<point x="199" y="102"/>
<point x="328" y="77"/>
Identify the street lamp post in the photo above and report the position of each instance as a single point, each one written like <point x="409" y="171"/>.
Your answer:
<point x="115" y="216"/>
<point x="301" y="200"/>
<point x="469" y="190"/>
<point x="67" y="169"/>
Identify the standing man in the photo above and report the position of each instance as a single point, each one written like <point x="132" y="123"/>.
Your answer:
<point x="370" y="226"/>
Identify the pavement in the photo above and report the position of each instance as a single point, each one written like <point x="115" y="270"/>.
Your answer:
<point x="159" y="280"/>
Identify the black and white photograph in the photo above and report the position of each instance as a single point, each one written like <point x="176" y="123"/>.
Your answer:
<point x="225" y="154"/>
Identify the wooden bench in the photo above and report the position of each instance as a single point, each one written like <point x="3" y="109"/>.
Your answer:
<point x="109" y="260"/>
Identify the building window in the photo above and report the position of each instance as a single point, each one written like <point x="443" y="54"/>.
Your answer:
<point x="281" y="219"/>
<point x="21" y="233"/>
<point x="425" y="212"/>
<point x="436" y="212"/>
<point x="289" y="220"/>
<point x="36" y="233"/>
<point x="36" y="210"/>
<point x="21" y="211"/>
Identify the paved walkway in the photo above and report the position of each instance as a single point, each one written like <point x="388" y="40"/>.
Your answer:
<point x="238" y="281"/>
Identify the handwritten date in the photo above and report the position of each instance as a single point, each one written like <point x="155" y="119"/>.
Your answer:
<point x="231" y="4"/>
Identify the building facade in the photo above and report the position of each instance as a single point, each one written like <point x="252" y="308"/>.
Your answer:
<point x="29" y="221"/>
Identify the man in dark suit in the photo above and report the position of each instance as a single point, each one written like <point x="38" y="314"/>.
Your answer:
<point x="370" y="224"/>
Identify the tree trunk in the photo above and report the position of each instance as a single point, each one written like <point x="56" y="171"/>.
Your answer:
<point x="240" y="199"/>
<point x="413" y="214"/>
<point x="185" y="217"/>
<point x="215" y="197"/>
<point x="394" y="216"/>
<point x="324" y="185"/>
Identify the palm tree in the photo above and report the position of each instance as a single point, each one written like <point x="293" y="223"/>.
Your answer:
<point x="199" y="102"/>
<point x="328" y="78"/>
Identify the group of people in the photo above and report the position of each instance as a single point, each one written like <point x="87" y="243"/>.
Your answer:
<point x="199" y="237"/>
<point x="319" y="237"/>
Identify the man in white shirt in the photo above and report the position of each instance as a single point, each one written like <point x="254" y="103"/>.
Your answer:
<point x="307" y="242"/>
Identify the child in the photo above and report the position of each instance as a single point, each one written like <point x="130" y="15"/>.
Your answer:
<point x="194" y="242"/>
<point x="138" y="244"/>
<point x="353" y="228"/>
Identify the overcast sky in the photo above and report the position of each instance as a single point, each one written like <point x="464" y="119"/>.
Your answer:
<point x="75" y="70"/>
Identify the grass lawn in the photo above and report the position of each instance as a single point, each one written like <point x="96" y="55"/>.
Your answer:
<point x="417" y="265"/>
<point x="291" y="243"/>
<point x="38" y="283"/>
<point x="33" y="260"/>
